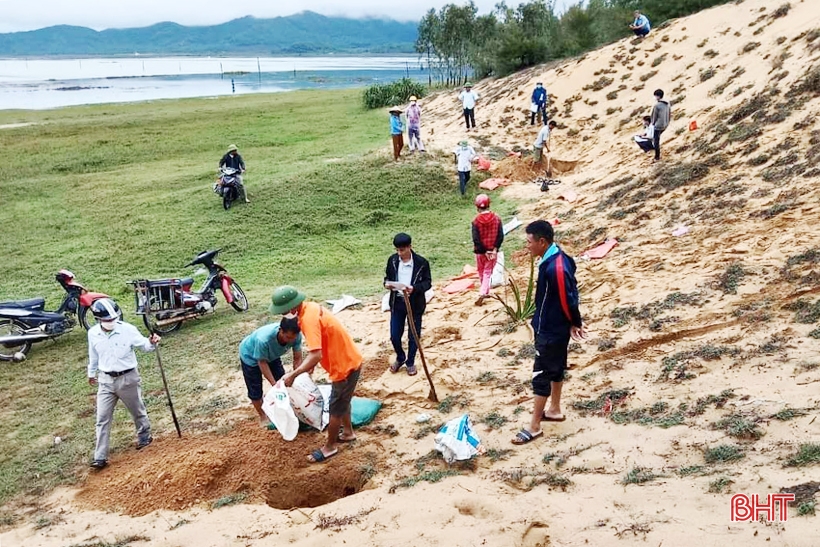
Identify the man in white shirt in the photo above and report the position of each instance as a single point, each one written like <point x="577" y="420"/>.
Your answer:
<point x="468" y="98"/>
<point x="646" y="138"/>
<point x="465" y="156"/>
<point x="112" y="367"/>
<point x="542" y="140"/>
<point x="406" y="272"/>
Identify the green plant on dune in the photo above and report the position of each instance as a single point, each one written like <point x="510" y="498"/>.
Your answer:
<point x="522" y="306"/>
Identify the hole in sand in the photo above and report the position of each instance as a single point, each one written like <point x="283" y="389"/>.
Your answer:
<point x="248" y="463"/>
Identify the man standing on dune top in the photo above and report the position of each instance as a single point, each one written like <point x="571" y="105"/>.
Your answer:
<point x="468" y="99"/>
<point x="659" y="120"/>
<point x="556" y="320"/>
<point x="330" y="344"/>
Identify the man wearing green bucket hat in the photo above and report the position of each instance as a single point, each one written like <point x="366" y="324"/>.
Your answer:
<point x="330" y="345"/>
<point x="468" y="99"/>
<point x="465" y="156"/>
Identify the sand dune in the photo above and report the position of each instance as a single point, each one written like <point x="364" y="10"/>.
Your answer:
<point x="700" y="340"/>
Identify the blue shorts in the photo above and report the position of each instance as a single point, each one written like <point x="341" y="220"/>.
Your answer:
<point x="253" y="377"/>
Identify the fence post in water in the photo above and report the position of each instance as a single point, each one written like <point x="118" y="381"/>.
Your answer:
<point x="259" y="69"/>
<point x="221" y="72"/>
<point x="233" y="87"/>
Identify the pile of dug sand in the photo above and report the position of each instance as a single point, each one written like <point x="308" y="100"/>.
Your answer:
<point x="525" y="170"/>
<point x="249" y="461"/>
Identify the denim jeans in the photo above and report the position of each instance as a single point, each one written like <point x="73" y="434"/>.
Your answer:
<point x="463" y="179"/>
<point x="398" y="320"/>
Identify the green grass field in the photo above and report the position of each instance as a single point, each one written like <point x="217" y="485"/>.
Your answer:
<point x="124" y="191"/>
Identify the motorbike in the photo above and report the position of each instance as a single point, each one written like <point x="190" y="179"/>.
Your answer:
<point x="166" y="303"/>
<point x="25" y="322"/>
<point x="228" y="186"/>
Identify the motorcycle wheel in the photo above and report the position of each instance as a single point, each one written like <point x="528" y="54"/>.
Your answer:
<point x="86" y="320"/>
<point x="240" y="301"/>
<point x="163" y="330"/>
<point x="10" y="327"/>
<point x="227" y="199"/>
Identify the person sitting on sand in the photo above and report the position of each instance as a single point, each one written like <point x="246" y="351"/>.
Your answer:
<point x="260" y="355"/>
<point x="543" y="140"/>
<point x="331" y="346"/>
<point x="640" y="26"/>
<point x="556" y="319"/>
<point x="646" y="138"/>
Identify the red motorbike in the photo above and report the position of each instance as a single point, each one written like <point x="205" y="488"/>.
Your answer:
<point x="165" y="303"/>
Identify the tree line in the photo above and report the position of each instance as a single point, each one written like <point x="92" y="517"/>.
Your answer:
<point x="457" y="43"/>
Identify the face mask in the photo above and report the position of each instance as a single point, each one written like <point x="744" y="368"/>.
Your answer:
<point x="108" y="325"/>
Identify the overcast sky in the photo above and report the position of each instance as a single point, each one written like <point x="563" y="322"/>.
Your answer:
<point x="99" y="14"/>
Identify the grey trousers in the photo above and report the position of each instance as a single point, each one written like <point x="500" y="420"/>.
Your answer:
<point x="110" y="390"/>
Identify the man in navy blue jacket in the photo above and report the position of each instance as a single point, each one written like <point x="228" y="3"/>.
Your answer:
<point x="556" y="319"/>
<point x="539" y="99"/>
<point x="407" y="272"/>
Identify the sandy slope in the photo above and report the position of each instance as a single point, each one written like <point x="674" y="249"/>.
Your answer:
<point x="745" y="341"/>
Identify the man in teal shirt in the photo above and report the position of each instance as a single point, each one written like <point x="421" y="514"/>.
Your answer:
<point x="260" y="354"/>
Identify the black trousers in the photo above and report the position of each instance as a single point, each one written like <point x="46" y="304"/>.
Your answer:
<point x="469" y="117"/>
<point x="657" y="143"/>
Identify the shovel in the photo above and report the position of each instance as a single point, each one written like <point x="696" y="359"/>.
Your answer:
<point x="432" y="395"/>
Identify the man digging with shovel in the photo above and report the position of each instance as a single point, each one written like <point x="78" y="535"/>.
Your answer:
<point x="330" y="344"/>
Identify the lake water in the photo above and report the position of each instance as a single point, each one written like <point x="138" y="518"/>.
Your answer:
<point x="42" y="83"/>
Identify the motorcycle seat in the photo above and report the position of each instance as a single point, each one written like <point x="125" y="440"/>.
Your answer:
<point x="30" y="304"/>
<point x="185" y="281"/>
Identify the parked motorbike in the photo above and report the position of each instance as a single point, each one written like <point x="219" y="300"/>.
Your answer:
<point x="228" y="186"/>
<point x="24" y="322"/>
<point x="165" y="303"/>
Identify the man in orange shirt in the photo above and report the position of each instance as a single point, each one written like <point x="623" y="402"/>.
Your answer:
<point x="329" y="344"/>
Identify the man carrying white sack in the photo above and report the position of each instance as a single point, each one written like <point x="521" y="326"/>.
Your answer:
<point x="260" y="355"/>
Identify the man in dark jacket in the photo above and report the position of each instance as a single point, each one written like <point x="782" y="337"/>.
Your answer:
<point x="233" y="160"/>
<point x="556" y="319"/>
<point x="407" y="272"/>
<point x="661" y="114"/>
<point x="539" y="99"/>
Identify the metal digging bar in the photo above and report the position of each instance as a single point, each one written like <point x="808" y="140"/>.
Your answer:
<point x="432" y="395"/>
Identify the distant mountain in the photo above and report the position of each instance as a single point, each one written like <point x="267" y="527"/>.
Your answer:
<point x="303" y="33"/>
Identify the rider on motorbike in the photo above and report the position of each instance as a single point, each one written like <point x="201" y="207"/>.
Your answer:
<point x="234" y="161"/>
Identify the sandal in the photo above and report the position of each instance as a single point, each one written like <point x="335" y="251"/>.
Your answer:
<point x="317" y="456"/>
<point x="343" y="439"/>
<point x="394" y="368"/>
<point x="524" y="436"/>
<point x="545" y="418"/>
<point x="411" y="370"/>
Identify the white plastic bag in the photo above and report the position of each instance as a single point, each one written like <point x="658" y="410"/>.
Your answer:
<point x="497" y="278"/>
<point x="276" y="407"/>
<point x="307" y="401"/>
<point x="457" y="441"/>
<point x="533" y="107"/>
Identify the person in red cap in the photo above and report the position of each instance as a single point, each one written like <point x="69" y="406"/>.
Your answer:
<point x="488" y="235"/>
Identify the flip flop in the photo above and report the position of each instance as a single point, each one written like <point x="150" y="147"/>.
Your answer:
<point x="545" y="418"/>
<point x="411" y="370"/>
<point x="394" y="368"/>
<point x="524" y="436"/>
<point x="344" y="440"/>
<point x="319" y="456"/>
